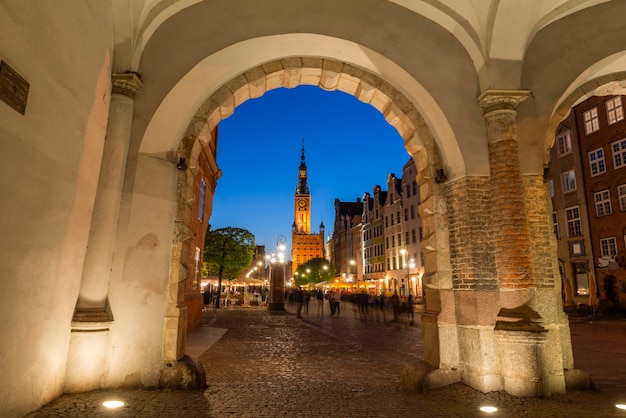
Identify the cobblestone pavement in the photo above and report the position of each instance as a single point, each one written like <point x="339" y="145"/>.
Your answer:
<point x="275" y="365"/>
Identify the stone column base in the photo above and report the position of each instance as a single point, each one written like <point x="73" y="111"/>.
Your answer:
<point x="182" y="374"/>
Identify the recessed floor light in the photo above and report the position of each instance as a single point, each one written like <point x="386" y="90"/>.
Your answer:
<point x="488" y="409"/>
<point x="113" y="404"/>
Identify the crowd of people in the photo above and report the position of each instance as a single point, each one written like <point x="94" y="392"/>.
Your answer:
<point x="326" y="301"/>
<point x="367" y="304"/>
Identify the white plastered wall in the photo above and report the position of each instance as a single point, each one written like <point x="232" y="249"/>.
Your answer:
<point x="49" y="163"/>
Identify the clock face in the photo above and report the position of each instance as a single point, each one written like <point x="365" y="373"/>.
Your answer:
<point x="301" y="204"/>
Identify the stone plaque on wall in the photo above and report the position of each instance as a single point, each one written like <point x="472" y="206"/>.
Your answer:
<point x="13" y="88"/>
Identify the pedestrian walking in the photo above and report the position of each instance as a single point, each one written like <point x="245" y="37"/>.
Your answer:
<point x="331" y="303"/>
<point x="307" y="299"/>
<point x="363" y="302"/>
<point x="395" y="305"/>
<point x="319" y="296"/>
<point x="409" y="308"/>
<point x="337" y="300"/>
<point x="299" y="302"/>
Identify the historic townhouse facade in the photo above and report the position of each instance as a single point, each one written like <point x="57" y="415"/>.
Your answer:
<point x="588" y="189"/>
<point x="201" y="185"/>
<point x="570" y="216"/>
<point x="412" y="228"/>
<point x="602" y="135"/>
<point x="397" y="227"/>
<point x="393" y="232"/>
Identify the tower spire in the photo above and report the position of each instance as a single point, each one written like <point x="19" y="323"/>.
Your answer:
<point x="303" y="184"/>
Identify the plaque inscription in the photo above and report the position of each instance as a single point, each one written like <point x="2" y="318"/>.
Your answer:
<point x="13" y="88"/>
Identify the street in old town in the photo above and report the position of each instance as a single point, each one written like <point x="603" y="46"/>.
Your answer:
<point x="271" y="364"/>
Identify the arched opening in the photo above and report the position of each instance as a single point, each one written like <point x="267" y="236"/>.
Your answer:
<point x="329" y="75"/>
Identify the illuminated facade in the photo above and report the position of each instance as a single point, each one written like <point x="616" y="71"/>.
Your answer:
<point x="305" y="245"/>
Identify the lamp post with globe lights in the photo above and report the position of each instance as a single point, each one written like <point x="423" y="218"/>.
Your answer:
<point x="277" y="276"/>
<point x="409" y="264"/>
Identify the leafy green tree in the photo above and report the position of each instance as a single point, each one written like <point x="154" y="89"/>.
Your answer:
<point x="227" y="252"/>
<point x="315" y="270"/>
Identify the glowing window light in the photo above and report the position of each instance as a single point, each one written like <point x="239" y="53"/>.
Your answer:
<point x="113" y="404"/>
<point x="488" y="409"/>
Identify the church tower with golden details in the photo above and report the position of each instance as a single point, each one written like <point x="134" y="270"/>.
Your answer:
<point x="305" y="245"/>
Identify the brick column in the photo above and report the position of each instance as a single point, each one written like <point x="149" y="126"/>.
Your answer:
<point x="509" y="219"/>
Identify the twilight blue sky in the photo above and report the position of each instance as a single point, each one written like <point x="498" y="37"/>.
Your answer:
<point x="349" y="147"/>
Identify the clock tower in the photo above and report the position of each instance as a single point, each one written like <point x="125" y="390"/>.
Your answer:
<point x="302" y="201"/>
<point x="305" y="245"/>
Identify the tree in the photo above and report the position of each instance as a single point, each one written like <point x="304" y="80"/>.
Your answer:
<point x="227" y="252"/>
<point x="315" y="270"/>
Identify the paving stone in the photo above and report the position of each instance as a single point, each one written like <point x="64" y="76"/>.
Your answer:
<point x="275" y="365"/>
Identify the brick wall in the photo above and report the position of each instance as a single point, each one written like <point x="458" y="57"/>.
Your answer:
<point x="472" y="251"/>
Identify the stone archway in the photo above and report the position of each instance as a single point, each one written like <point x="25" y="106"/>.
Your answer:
<point x="329" y="75"/>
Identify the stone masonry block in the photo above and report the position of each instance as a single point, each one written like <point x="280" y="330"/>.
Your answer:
<point x="348" y="84"/>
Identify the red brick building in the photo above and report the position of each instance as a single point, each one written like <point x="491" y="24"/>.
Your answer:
<point x="602" y="133"/>
<point x="201" y="182"/>
<point x="588" y="190"/>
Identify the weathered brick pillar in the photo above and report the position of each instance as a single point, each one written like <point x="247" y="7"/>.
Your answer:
<point x="510" y="225"/>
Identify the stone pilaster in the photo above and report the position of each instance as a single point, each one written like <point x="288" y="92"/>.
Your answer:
<point x="509" y="221"/>
<point x="98" y="259"/>
<point x="93" y="317"/>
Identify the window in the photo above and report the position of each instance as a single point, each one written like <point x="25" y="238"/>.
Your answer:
<point x="602" y="200"/>
<point x="408" y="191"/>
<point x="406" y="214"/>
<point x="621" y="192"/>
<point x="412" y="212"/>
<point x="619" y="153"/>
<point x="563" y="143"/>
<point x="596" y="162"/>
<point x="608" y="247"/>
<point x="393" y="241"/>
<point x="582" y="280"/>
<point x="576" y="248"/>
<point x="413" y="236"/>
<point x="568" y="181"/>
<point x="555" y="225"/>
<point x="386" y="222"/>
<point x="591" y="121"/>
<point x="573" y="221"/>
<point x="201" y="200"/>
<point x="614" y="111"/>
<point x="551" y="187"/>
<point x="414" y="188"/>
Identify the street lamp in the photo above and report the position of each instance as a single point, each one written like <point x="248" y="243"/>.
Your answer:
<point x="277" y="276"/>
<point x="352" y="264"/>
<point x="409" y="265"/>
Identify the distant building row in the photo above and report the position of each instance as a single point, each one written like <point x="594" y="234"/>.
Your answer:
<point x="375" y="244"/>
